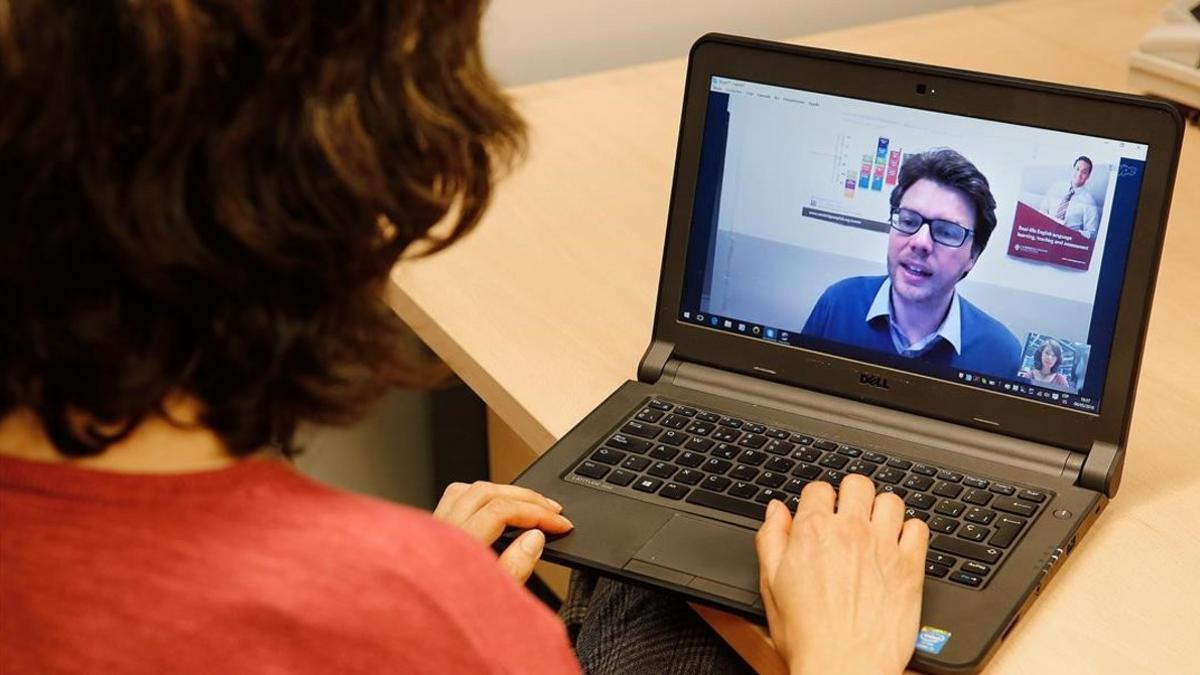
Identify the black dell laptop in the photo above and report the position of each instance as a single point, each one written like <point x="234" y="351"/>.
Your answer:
<point x="937" y="279"/>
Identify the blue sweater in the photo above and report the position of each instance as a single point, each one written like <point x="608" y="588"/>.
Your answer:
<point x="840" y="315"/>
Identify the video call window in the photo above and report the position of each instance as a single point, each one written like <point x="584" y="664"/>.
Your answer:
<point x="927" y="241"/>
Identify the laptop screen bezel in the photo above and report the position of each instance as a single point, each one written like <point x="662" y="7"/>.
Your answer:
<point x="969" y="94"/>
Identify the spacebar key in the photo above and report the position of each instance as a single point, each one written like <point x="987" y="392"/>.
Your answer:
<point x="966" y="549"/>
<point x="723" y="503"/>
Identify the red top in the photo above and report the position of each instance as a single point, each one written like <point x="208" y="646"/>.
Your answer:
<point x="251" y="568"/>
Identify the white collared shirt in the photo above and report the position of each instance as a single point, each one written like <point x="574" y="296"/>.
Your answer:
<point x="950" y="330"/>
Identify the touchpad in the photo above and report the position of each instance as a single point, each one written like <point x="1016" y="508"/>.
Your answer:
<point x="707" y="549"/>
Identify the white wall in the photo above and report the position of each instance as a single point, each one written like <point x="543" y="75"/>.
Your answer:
<point x="534" y="40"/>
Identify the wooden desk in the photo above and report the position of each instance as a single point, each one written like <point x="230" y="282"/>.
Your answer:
<point x="548" y="307"/>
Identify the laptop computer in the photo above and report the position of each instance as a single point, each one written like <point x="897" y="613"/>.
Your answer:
<point x="937" y="279"/>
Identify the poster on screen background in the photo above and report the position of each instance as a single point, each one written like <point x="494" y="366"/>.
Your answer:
<point x="1054" y="363"/>
<point x="1055" y="222"/>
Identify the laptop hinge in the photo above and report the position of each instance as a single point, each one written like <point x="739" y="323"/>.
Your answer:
<point x="1102" y="469"/>
<point x="1058" y="463"/>
<point x="650" y="368"/>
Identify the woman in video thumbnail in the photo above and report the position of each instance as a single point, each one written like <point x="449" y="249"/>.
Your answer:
<point x="1045" y="370"/>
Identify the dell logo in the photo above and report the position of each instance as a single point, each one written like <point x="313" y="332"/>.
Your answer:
<point x="877" y="381"/>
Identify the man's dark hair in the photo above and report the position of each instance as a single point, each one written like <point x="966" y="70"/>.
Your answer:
<point x="1084" y="158"/>
<point x="950" y="169"/>
<point x="205" y="197"/>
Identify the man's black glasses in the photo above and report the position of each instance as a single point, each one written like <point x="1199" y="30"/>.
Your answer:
<point x="946" y="232"/>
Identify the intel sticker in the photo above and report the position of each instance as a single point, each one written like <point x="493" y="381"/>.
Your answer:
<point x="931" y="640"/>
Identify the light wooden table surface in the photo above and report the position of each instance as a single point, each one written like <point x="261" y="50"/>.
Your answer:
<point x="548" y="306"/>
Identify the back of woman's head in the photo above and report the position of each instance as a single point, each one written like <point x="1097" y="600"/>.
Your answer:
<point x="205" y="196"/>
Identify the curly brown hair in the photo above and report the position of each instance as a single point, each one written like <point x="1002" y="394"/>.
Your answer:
<point x="206" y="196"/>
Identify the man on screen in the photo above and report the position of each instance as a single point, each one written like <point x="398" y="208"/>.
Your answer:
<point x="1068" y="202"/>
<point x="943" y="213"/>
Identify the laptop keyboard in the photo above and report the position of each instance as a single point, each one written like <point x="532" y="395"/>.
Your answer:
<point x="682" y="453"/>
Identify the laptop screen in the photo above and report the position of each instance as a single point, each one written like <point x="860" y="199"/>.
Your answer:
<point x="980" y="252"/>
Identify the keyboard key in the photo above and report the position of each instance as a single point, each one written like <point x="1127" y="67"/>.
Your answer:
<point x="664" y="452"/>
<point x="608" y="456"/>
<point x="728" y="504"/>
<point x="1032" y="496"/>
<point x="924" y="469"/>
<point x="635" y="464"/>
<point x="753" y="441"/>
<point x="832" y="461"/>
<point x="752" y="457"/>
<point x="971" y="481"/>
<point x="726" y="435"/>
<point x="711" y="418"/>
<point x="832" y="477"/>
<point x="755" y="428"/>
<point x="768" y="494"/>
<point x="795" y="485"/>
<point x="948" y="475"/>
<point x="638" y="429"/>
<point x="647" y="484"/>
<point x="977" y="496"/>
<point x="700" y="429"/>
<point x="935" y="570"/>
<point x="621" y="477"/>
<point x="918" y="483"/>
<point x="698" y="444"/>
<point x="717" y="466"/>
<point x="949" y="508"/>
<point x="807" y="471"/>
<point x="1002" y="489"/>
<point x="673" y="491"/>
<point x="686" y="411"/>
<point x="902" y="464"/>
<point x="672" y="437"/>
<point x="940" y="558"/>
<point x="850" y="451"/>
<point x="801" y="439"/>
<point x="731" y="422"/>
<point x="898" y="491"/>
<point x="965" y="549"/>
<point x="771" y="479"/>
<point x="591" y="470"/>
<point x="825" y="445"/>
<point x="1007" y="529"/>
<point x="780" y="464"/>
<point x="1010" y="505"/>
<point x="861" y="468"/>
<point x="623" y="442"/>
<point x="675" y="422"/>
<point x="943" y="524"/>
<point x="778" y="447"/>
<point x="725" y="451"/>
<point x="793" y="503"/>
<point x="807" y="455"/>
<point x="975" y="568"/>
<point x="660" y="405"/>
<point x="662" y="470"/>
<point x="910" y="513"/>
<point x="889" y="475"/>
<point x="973" y="532"/>
<point x="947" y="489"/>
<point x="778" y="434"/>
<point x="691" y="459"/>
<point x="689" y="477"/>
<point x="966" y="579"/>
<point x="874" y="457"/>
<point x="743" y="490"/>
<point x="716" y="483"/>
<point x="979" y="515"/>
<point x="649" y="416"/>
<point x="743" y="472"/>
<point x="920" y="501"/>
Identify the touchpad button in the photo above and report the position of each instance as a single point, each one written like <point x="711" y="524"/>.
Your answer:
<point x="705" y="548"/>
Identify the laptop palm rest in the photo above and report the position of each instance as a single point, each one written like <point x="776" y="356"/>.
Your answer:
<point x="719" y="558"/>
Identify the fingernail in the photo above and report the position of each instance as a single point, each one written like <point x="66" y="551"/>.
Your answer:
<point x="566" y="522"/>
<point x="533" y="541"/>
<point x="772" y="506"/>
<point x="554" y="504"/>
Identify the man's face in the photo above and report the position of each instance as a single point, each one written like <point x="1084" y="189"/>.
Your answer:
<point x="1083" y="171"/>
<point x="922" y="270"/>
